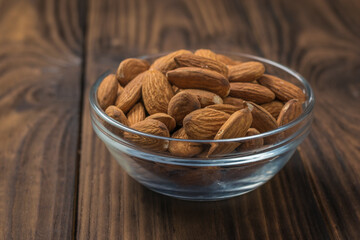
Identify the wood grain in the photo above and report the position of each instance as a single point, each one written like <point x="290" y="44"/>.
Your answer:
<point x="316" y="196"/>
<point x="45" y="193"/>
<point x="40" y="94"/>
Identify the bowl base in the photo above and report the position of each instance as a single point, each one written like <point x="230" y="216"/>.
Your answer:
<point x="205" y="196"/>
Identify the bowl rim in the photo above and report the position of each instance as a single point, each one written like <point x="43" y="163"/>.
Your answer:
<point x="307" y="111"/>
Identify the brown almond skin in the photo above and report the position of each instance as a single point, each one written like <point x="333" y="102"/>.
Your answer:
<point x="246" y="72"/>
<point x="273" y="107"/>
<point x="107" y="91"/>
<point x="251" y="92"/>
<point x="198" y="78"/>
<point x="206" y="53"/>
<point x="186" y="175"/>
<point x="192" y="60"/>
<point x="116" y="113"/>
<point x="131" y="94"/>
<point x="175" y="89"/>
<point x="251" y="144"/>
<point x="262" y="119"/>
<point x="236" y="126"/>
<point x="182" y="104"/>
<point x="156" y="92"/>
<point x="225" y="60"/>
<point x="205" y="151"/>
<point x="205" y="98"/>
<point x="291" y="110"/>
<point x="119" y="90"/>
<point x="227" y="108"/>
<point x="234" y="101"/>
<point x="149" y="126"/>
<point x="183" y="149"/>
<point x="167" y="62"/>
<point x="285" y="91"/>
<point x="129" y="69"/>
<point x="166" y="119"/>
<point x="204" y="123"/>
<point x="136" y="114"/>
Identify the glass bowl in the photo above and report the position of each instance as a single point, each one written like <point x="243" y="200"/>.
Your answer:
<point x="198" y="177"/>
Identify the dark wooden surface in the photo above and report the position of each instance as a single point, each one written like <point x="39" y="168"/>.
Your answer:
<point x="58" y="181"/>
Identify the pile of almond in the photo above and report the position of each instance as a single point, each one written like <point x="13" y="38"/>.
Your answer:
<point x="200" y="95"/>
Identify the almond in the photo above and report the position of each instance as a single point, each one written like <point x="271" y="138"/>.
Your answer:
<point x="273" y="107"/>
<point x="234" y="101"/>
<point x="204" y="123"/>
<point x="136" y="114"/>
<point x="106" y="93"/>
<point x="167" y="62"/>
<point x="236" y="126"/>
<point x="149" y="126"/>
<point x="116" y="113"/>
<point x="227" y="108"/>
<point x="285" y="91"/>
<point x="205" y="151"/>
<point x="225" y="60"/>
<point x="251" y="92"/>
<point x="183" y="149"/>
<point x="291" y="110"/>
<point x="166" y="119"/>
<point x="191" y="77"/>
<point x="175" y="89"/>
<point x="182" y="104"/>
<point x="205" y="98"/>
<point x="206" y="53"/>
<point x="129" y="69"/>
<point x="119" y="90"/>
<point x="253" y="143"/>
<point x="156" y="92"/>
<point x="191" y="60"/>
<point x="131" y="94"/>
<point x="246" y="72"/>
<point x="187" y="175"/>
<point x="262" y="119"/>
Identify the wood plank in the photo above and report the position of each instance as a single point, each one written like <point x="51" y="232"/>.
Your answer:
<point x="305" y="199"/>
<point x="40" y="95"/>
<point x="327" y="54"/>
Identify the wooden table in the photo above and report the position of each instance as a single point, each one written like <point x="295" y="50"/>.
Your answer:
<point x="57" y="180"/>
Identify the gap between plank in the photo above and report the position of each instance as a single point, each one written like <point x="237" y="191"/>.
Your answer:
<point x="81" y="111"/>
